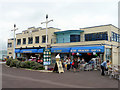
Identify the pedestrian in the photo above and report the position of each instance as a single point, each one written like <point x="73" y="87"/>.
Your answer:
<point x="62" y="63"/>
<point x="75" y="65"/>
<point x="104" y="67"/>
<point x="68" y="63"/>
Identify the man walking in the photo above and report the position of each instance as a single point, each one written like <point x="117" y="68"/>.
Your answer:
<point x="104" y="66"/>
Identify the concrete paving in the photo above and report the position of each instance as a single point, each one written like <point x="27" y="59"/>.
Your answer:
<point x="20" y="78"/>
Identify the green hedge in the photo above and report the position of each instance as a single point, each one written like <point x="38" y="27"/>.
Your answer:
<point x="24" y="64"/>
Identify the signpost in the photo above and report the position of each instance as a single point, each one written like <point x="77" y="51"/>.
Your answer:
<point x="46" y="57"/>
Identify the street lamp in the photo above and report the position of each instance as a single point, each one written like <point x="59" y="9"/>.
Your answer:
<point x="14" y="40"/>
<point x="46" y="22"/>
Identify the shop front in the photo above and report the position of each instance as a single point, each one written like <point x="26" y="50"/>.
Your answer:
<point x="88" y="52"/>
<point x="64" y="52"/>
<point x="28" y="54"/>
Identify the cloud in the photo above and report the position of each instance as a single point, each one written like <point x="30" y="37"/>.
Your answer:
<point x="67" y="14"/>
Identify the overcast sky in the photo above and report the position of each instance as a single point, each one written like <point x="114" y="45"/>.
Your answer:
<point x="67" y="14"/>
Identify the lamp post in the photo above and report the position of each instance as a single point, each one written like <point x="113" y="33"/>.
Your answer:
<point x="14" y="40"/>
<point x="46" y="22"/>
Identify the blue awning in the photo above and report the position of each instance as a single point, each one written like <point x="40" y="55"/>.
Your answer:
<point x="29" y="51"/>
<point x="60" y="50"/>
<point x="86" y="49"/>
<point x="17" y="50"/>
<point x="40" y="50"/>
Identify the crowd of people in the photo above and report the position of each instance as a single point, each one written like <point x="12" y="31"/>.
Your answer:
<point x="78" y="64"/>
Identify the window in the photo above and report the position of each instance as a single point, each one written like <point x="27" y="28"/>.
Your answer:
<point x="24" y="40"/>
<point x="96" y="36"/>
<point x="37" y="39"/>
<point x="115" y="37"/>
<point x="18" y="41"/>
<point x="44" y="39"/>
<point x="74" y="38"/>
<point x="9" y="45"/>
<point x="30" y="40"/>
<point x="108" y="54"/>
<point x="119" y="38"/>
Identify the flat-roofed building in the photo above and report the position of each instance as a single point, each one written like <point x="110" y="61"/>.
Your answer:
<point x="100" y="40"/>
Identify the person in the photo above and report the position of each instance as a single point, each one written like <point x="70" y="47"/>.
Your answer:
<point x="104" y="67"/>
<point x="68" y="63"/>
<point x="75" y="65"/>
<point x="83" y="61"/>
<point x="62" y="63"/>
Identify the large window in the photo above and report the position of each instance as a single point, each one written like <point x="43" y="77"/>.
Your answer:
<point x="96" y="36"/>
<point x="115" y="37"/>
<point x="18" y="41"/>
<point x="108" y="54"/>
<point x="24" y="40"/>
<point x="44" y="38"/>
<point x="74" y="38"/>
<point x="30" y="40"/>
<point x="118" y="38"/>
<point x="9" y="45"/>
<point x="37" y="39"/>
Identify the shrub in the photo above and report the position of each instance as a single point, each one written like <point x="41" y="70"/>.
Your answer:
<point x="22" y="65"/>
<point x="32" y="64"/>
<point x="27" y="64"/>
<point x="13" y="63"/>
<point x="8" y="61"/>
<point x="18" y="64"/>
<point x="37" y="66"/>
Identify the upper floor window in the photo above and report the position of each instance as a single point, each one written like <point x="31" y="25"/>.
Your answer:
<point x="44" y="38"/>
<point x="96" y="36"/>
<point x="24" y="40"/>
<point x="74" y="38"/>
<point x="115" y="37"/>
<point x="37" y="39"/>
<point x="18" y="41"/>
<point x="9" y="45"/>
<point x="118" y="38"/>
<point x="30" y="40"/>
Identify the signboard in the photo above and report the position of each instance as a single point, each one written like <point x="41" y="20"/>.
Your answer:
<point x="59" y="65"/>
<point x="46" y="57"/>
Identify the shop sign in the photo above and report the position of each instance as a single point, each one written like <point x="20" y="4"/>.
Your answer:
<point x="26" y="51"/>
<point x="57" y="50"/>
<point x="46" y="57"/>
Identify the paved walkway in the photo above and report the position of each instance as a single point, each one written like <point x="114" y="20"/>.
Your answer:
<point x="20" y="78"/>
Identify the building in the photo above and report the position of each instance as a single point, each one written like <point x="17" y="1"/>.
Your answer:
<point x="102" y="40"/>
<point x="3" y="54"/>
<point x="10" y="48"/>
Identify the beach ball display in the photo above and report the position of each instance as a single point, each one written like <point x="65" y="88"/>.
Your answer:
<point x="80" y="54"/>
<point x="89" y="54"/>
<point x="95" y="54"/>
<point x="77" y="53"/>
<point x="73" y="53"/>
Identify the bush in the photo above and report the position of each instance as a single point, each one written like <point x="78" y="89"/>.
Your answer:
<point x="32" y="64"/>
<point x="27" y="64"/>
<point x="22" y="65"/>
<point x="13" y="63"/>
<point x="18" y="64"/>
<point x="37" y="66"/>
<point x="8" y="61"/>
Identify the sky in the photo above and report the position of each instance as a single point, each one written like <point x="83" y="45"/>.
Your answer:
<point x="66" y="15"/>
